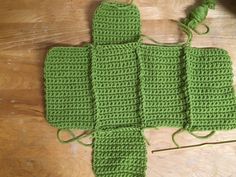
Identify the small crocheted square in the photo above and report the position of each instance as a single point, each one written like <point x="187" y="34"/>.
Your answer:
<point x="119" y="152"/>
<point x="116" y="23"/>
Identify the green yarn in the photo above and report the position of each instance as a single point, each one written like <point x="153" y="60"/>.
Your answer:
<point x="210" y="3"/>
<point x="118" y="86"/>
<point x="199" y="14"/>
<point x="183" y="27"/>
<point x="196" y="16"/>
<point x="204" y="136"/>
<point x="194" y="145"/>
<point x="191" y="133"/>
<point x="74" y="137"/>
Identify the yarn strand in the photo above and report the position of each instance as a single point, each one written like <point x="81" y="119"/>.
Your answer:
<point x="74" y="137"/>
<point x="203" y="137"/>
<point x="194" y="145"/>
<point x="204" y="32"/>
<point x="174" y="135"/>
<point x="183" y="27"/>
<point x="191" y="133"/>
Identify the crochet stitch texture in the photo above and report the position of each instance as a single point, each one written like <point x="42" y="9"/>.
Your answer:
<point x="118" y="86"/>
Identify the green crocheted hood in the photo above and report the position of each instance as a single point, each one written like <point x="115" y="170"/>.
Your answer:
<point x="118" y="86"/>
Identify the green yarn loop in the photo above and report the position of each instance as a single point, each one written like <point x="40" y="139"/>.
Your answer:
<point x="191" y="133"/>
<point x="74" y="137"/>
<point x="183" y="27"/>
<point x="204" y="136"/>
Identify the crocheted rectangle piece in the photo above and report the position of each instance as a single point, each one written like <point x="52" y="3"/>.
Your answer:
<point x="211" y="94"/>
<point x="116" y="86"/>
<point x="116" y="23"/>
<point x="163" y="91"/>
<point x="67" y="88"/>
<point x="139" y="86"/>
<point x="119" y="152"/>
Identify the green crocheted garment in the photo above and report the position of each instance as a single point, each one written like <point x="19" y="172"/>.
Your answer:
<point x="118" y="86"/>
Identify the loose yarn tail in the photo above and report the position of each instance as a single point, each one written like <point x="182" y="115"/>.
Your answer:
<point x="183" y="27"/>
<point x="174" y="135"/>
<point x="204" y="136"/>
<point x="190" y="146"/>
<point x="191" y="133"/>
<point x="195" y="145"/>
<point x="74" y="137"/>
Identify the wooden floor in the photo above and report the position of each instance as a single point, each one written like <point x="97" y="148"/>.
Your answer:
<point x="28" y="145"/>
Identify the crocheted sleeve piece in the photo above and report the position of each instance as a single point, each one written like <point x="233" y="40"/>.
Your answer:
<point x="116" y="86"/>
<point x="210" y="85"/>
<point x="164" y="99"/>
<point x="68" y="98"/>
<point x="115" y="23"/>
<point x="119" y="153"/>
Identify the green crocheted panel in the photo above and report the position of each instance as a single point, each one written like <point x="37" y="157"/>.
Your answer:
<point x="211" y="94"/>
<point x="114" y="24"/>
<point x="68" y="96"/>
<point x="163" y="87"/>
<point x="116" y="86"/>
<point x="119" y="152"/>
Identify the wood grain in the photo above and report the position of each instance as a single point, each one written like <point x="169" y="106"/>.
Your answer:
<point x="28" y="145"/>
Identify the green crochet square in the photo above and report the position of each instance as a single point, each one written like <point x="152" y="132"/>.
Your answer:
<point x="114" y="24"/>
<point x="68" y="97"/>
<point x="119" y="152"/>
<point x="116" y="86"/>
